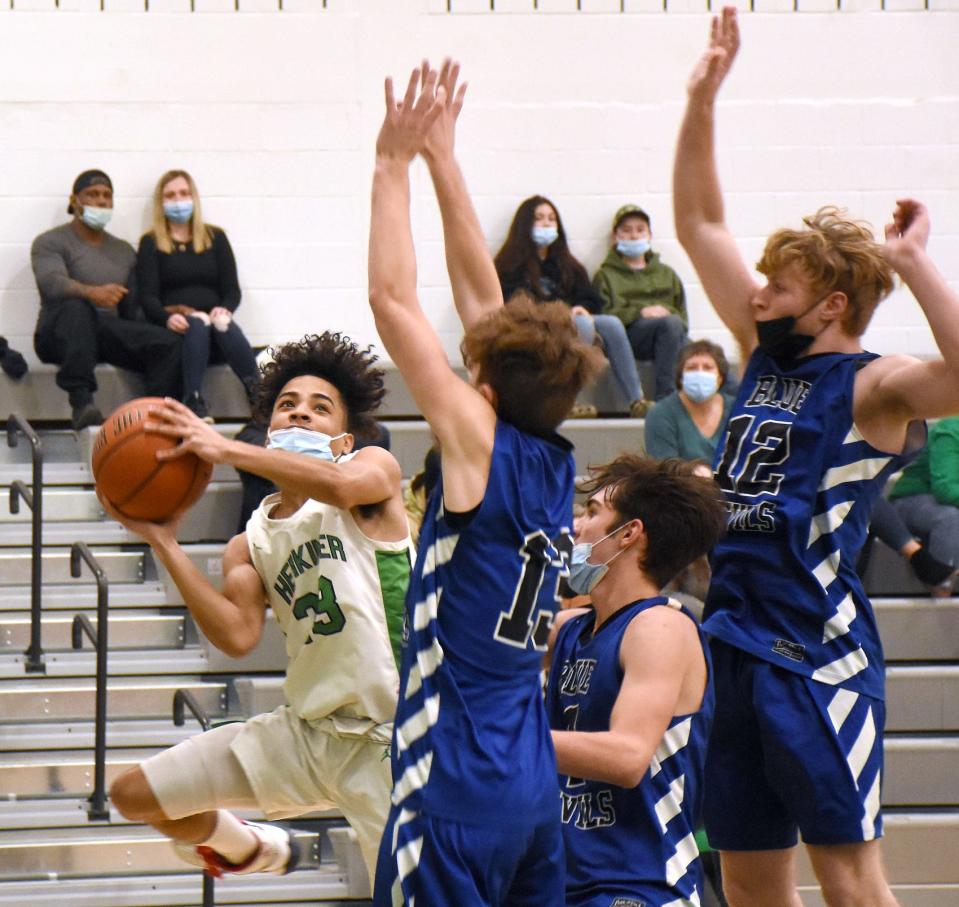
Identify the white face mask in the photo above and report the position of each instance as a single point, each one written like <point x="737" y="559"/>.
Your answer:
<point x="96" y="218"/>
<point x="303" y="441"/>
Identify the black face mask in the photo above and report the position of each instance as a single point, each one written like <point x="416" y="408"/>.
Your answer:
<point x="777" y="340"/>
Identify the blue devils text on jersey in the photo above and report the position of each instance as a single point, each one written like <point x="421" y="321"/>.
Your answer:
<point x="636" y="843"/>
<point x="800" y="482"/>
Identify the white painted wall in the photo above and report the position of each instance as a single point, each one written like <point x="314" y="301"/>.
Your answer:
<point x="275" y="113"/>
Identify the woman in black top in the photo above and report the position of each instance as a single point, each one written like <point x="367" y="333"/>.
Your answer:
<point x="186" y="276"/>
<point x="535" y="261"/>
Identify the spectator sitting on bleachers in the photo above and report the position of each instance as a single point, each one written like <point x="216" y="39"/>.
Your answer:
<point x="927" y="498"/>
<point x="187" y="277"/>
<point x="645" y="294"/>
<point x="689" y="422"/>
<point x="89" y="311"/>
<point x="886" y="524"/>
<point x="535" y="261"/>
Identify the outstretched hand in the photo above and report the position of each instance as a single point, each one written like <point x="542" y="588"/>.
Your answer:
<point x="908" y="233"/>
<point x="174" y="420"/>
<point x="407" y="123"/>
<point x="441" y="137"/>
<point x="714" y="65"/>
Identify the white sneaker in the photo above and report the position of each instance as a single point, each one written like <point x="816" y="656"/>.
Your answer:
<point x="276" y="853"/>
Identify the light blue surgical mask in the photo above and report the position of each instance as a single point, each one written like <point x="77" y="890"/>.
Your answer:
<point x="178" y="212"/>
<point x="700" y="386"/>
<point x="584" y="576"/>
<point x="96" y="218"/>
<point x="632" y="248"/>
<point x="303" y="441"/>
<point x="544" y="236"/>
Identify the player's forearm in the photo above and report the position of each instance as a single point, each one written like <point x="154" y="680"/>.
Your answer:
<point x="308" y="476"/>
<point x="476" y="287"/>
<point x="392" y="258"/>
<point x="697" y="196"/>
<point x="216" y="616"/>
<point x="939" y="303"/>
<point x="601" y="756"/>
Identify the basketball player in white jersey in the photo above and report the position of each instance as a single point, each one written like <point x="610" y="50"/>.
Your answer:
<point x="330" y="554"/>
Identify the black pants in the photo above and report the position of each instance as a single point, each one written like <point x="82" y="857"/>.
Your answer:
<point x="203" y="344"/>
<point x="73" y="335"/>
<point x="659" y="339"/>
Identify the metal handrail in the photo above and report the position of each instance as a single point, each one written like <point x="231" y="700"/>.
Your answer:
<point x="182" y="700"/>
<point x="81" y="625"/>
<point x="185" y="699"/>
<point x="34" y="500"/>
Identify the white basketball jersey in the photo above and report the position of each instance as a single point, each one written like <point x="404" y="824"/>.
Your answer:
<point x="338" y="596"/>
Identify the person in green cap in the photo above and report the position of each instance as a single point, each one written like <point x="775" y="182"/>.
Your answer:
<point x="645" y="294"/>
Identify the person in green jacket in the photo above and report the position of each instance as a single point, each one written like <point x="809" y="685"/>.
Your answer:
<point x="645" y="294"/>
<point x="927" y="497"/>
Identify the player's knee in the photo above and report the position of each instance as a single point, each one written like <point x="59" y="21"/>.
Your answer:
<point x="133" y="797"/>
<point x="851" y="889"/>
<point x="751" y="889"/>
<point x="852" y="876"/>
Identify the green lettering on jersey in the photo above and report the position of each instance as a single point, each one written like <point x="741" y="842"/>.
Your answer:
<point x="336" y="547"/>
<point x="328" y="616"/>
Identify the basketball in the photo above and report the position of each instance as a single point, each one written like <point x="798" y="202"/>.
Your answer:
<point x="129" y="475"/>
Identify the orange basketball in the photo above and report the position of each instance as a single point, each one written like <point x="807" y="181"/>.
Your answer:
<point x="130" y="476"/>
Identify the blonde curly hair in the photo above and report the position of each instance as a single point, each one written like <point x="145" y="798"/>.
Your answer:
<point x="834" y="253"/>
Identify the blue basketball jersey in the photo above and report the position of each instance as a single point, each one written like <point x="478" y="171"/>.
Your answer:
<point x="800" y="482"/>
<point x="471" y="742"/>
<point x="636" y="843"/>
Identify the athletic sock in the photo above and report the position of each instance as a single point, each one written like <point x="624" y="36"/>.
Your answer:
<point x="231" y="839"/>
<point x="929" y="570"/>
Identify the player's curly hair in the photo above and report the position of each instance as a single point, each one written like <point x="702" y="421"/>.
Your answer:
<point x="334" y="358"/>
<point x="834" y="253"/>
<point x="683" y="514"/>
<point x="531" y="356"/>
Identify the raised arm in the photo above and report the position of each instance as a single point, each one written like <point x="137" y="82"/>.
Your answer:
<point x="697" y="198"/>
<point x="476" y="288"/>
<point x="898" y="388"/>
<point x="462" y="420"/>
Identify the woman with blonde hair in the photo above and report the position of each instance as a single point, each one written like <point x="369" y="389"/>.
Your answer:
<point x="186" y="275"/>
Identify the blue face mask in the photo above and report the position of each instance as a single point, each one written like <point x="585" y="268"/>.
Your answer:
<point x="96" y="218"/>
<point x="303" y="441"/>
<point x="700" y="386"/>
<point x="544" y="236"/>
<point x="583" y="576"/>
<point x="178" y="212"/>
<point x="632" y="248"/>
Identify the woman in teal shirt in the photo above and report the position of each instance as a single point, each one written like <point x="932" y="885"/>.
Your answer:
<point x="689" y="422"/>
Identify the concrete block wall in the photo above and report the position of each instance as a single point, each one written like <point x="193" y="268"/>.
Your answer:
<point x="274" y="106"/>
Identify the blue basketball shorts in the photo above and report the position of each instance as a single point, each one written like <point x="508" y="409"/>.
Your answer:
<point x="789" y="754"/>
<point x="426" y="861"/>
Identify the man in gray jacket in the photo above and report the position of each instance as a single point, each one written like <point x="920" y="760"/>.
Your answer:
<point x="88" y="308"/>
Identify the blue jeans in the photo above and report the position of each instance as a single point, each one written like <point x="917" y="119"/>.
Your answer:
<point x="618" y="351"/>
